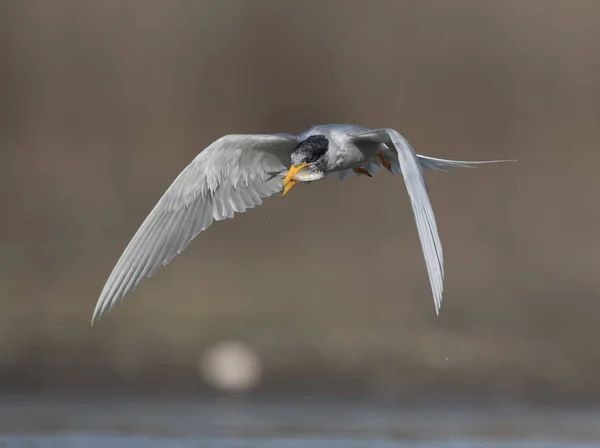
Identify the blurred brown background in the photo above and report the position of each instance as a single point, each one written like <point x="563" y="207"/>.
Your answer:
<point x="102" y="103"/>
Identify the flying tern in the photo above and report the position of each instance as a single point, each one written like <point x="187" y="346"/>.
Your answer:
<point x="236" y="172"/>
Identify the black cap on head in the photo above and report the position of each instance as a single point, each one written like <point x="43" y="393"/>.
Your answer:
<point x="310" y="150"/>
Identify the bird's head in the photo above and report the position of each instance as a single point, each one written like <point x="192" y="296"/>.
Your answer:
<point x="309" y="159"/>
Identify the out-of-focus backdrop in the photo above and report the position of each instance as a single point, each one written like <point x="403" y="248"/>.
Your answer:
<point x="102" y="103"/>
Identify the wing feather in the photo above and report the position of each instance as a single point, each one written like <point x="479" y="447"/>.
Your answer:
<point x="419" y="199"/>
<point x="232" y="175"/>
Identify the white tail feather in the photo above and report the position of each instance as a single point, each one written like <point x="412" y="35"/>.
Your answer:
<point x="431" y="163"/>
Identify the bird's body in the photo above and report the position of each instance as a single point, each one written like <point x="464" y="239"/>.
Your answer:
<point x="347" y="154"/>
<point x="236" y="172"/>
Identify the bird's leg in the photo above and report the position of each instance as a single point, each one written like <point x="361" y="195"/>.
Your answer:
<point x="384" y="162"/>
<point x="362" y="171"/>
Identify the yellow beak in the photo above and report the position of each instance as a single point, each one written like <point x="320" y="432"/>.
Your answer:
<point x="289" y="181"/>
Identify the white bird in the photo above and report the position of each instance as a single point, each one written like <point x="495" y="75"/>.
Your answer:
<point x="235" y="172"/>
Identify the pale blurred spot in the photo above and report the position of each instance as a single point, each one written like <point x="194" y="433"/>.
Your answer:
<point x="230" y="366"/>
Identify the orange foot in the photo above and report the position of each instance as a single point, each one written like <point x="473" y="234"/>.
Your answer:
<point x="362" y="171"/>
<point x="384" y="162"/>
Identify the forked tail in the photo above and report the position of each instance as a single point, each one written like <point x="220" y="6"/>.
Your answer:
<point x="431" y="163"/>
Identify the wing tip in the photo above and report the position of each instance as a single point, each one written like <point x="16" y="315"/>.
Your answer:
<point x="100" y="308"/>
<point x="95" y="317"/>
<point x="105" y="303"/>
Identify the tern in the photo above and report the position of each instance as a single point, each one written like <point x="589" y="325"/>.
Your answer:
<point x="236" y="172"/>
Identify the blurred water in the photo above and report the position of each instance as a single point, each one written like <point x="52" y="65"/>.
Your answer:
<point x="275" y="442"/>
<point x="110" y="422"/>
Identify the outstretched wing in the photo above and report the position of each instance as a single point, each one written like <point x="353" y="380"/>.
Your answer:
<point x="417" y="191"/>
<point x="232" y="175"/>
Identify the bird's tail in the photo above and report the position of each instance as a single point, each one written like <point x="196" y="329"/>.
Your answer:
<point x="431" y="163"/>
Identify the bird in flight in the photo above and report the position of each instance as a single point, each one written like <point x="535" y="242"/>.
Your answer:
<point x="236" y="172"/>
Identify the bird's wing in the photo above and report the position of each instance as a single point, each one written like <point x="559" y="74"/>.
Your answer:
<point x="417" y="191"/>
<point x="232" y="175"/>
